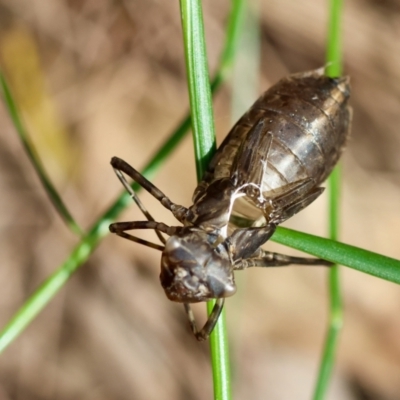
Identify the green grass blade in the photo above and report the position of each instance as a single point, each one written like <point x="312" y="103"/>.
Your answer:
<point x="335" y="304"/>
<point x="334" y="42"/>
<point x="333" y="69"/>
<point x="334" y="206"/>
<point x="34" y="158"/>
<point x="204" y="145"/>
<point x="218" y="340"/>
<point x="220" y="363"/>
<point x="233" y="32"/>
<point x="340" y="253"/>
<point x="246" y="71"/>
<point x="198" y="84"/>
<point x="44" y="293"/>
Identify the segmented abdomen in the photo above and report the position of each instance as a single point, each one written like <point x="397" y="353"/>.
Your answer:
<point x="308" y="117"/>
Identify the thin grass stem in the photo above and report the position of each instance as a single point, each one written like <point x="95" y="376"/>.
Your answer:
<point x="333" y="69"/>
<point x="49" y="288"/>
<point x="34" y="158"/>
<point x="204" y="146"/>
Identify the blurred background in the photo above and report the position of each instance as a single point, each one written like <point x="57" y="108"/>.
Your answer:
<point x="102" y="78"/>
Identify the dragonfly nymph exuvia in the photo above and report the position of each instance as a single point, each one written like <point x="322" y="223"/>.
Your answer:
<point x="269" y="167"/>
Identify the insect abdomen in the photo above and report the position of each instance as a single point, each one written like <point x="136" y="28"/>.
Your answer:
<point x="308" y="117"/>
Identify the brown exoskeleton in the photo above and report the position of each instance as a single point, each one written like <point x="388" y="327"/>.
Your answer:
<point x="267" y="169"/>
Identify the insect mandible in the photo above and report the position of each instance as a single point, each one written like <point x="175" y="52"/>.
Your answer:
<point x="268" y="168"/>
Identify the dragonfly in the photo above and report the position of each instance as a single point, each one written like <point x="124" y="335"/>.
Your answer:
<point x="268" y="168"/>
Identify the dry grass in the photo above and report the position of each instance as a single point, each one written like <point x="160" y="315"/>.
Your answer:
<point x="104" y="78"/>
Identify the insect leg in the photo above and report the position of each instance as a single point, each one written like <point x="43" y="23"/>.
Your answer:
<point x="121" y="166"/>
<point x="294" y="197"/>
<point x="208" y="327"/>
<point x="269" y="259"/>
<point x="138" y="202"/>
<point x="136" y="239"/>
<point x="282" y="214"/>
<point x="244" y="242"/>
<point x="291" y="192"/>
<point x="120" y="229"/>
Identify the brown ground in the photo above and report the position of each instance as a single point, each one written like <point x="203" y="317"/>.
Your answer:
<point x="104" y="78"/>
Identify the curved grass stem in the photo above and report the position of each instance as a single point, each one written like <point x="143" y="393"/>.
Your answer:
<point x="51" y="191"/>
<point x="334" y="69"/>
<point x="45" y="292"/>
